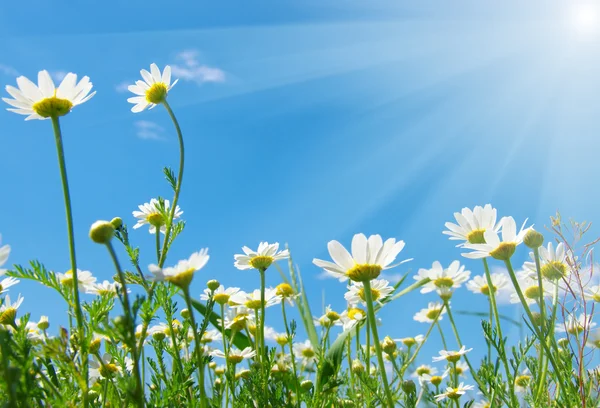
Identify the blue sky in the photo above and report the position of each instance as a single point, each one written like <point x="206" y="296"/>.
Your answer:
<point x="304" y="122"/>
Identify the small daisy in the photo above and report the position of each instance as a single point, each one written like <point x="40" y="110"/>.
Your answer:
<point x="260" y="259"/>
<point x="181" y="274"/>
<point x="152" y="90"/>
<point x="435" y="310"/>
<point x="235" y="356"/>
<point x="220" y="295"/>
<point x="523" y="381"/>
<point x="7" y="283"/>
<point x="481" y="404"/>
<point x="252" y="300"/>
<point x="4" y="253"/>
<point x="287" y="293"/>
<point x="454" y="393"/>
<point x="128" y="364"/>
<point x="592" y="293"/>
<point x="424" y="369"/>
<point x="369" y="257"/>
<point x="44" y="100"/>
<point x="576" y="325"/>
<point x="104" y="368"/>
<point x="380" y="289"/>
<point x="461" y="368"/>
<point x="530" y="287"/>
<point x="280" y="338"/>
<point x="34" y="334"/>
<point x="155" y="215"/>
<point x="85" y="279"/>
<point x="472" y="224"/>
<point x="351" y="317"/>
<point x="159" y="331"/>
<point x="593" y="339"/>
<point x="238" y="318"/>
<point x="411" y="341"/>
<point x="305" y="352"/>
<point x="105" y="288"/>
<point x="211" y="336"/>
<point x="433" y="379"/>
<point x="451" y="277"/>
<point x="496" y="248"/>
<point x="553" y="263"/>
<point x="451" y="356"/>
<point x="329" y="319"/>
<point x="479" y="283"/>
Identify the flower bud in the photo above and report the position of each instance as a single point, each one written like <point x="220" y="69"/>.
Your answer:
<point x="117" y="223"/>
<point x="306" y="385"/>
<point x="213" y="284"/>
<point x="159" y="335"/>
<point x="533" y="239"/>
<point x="95" y="345"/>
<point x="219" y="370"/>
<point x="357" y="367"/>
<point x="43" y="323"/>
<point x="409" y="387"/>
<point x="388" y="345"/>
<point x="102" y="232"/>
<point x="185" y="313"/>
<point x="284" y="290"/>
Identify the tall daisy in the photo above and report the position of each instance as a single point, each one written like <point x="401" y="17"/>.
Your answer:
<point x="440" y="277"/>
<point x="435" y="310"/>
<point x="576" y="325"/>
<point x="479" y="283"/>
<point x="369" y="257"/>
<point x="380" y="289"/>
<point x="496" y="248"/>
<point x="7" y="283"/>
<point x="454" y="393"/>
<point x="44" y="100"/>
<point x="152" y="90"/>
<point x="85" y="279"/>
<point x="155" y="215"/>
<point x="252" y="300"/>
<point x="451" y="356"/>
<point x="472" y="224"/>
<point x="553" y="262"/>
<point x="235" y="356"/>
<point x="351" y="317"/>
<point x="220" y="295"/>
<point x="260" y="259"/>
<point x="4" y="253"/>
<point x="305" y="352"/>
<point x="181" y="274"/>
<point x="8" y="310"/>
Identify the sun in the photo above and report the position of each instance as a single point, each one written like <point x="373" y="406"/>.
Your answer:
<point x="584" y="19"/>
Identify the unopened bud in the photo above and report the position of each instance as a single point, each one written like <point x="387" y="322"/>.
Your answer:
<point x="357" y="367"/>
<point x="409" y="387"/>
<point x="533" y="239"/>
<point x="213" y="284"/>
<point x="185" y="313"/>
<point x="388" y="345"/>
<point x="306" y="385"/>
<point x="117" y="223"/>
<point x="101" y="232"/>
<point x="43" y="323"/>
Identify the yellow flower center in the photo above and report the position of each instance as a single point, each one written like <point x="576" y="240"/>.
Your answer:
<point x="454" y="394"/>
<point x="52" y="107"/>
<point x="554" y="270"/>
<point x="458" y="370"/>
<point x="158" y="336"/>
<point x="453" y="358"/>
<point x="282" y="340"/>
<point x="67" y="278"/>
<point x="596" y="343"/>
<point x="253" y="304"/>
<point x="156" y="219"/>
<point x="423" y="370"/>
<point x="95" y="345"/>
<point x="8" y="316"/>
<point x="485" y="289"/>
<point x="108" y="370"/>
<point x="308" y="353"/>
<point x="235" y="359"/>
<point x="532" y="292"/>
<point x="364" y="272"/>
<point x="575" y="328"/>
<point x="261" y="262"/>
<point x="476" y="237"/>
<point x="596" y="297"/>
<point x="284" y="290"/>
<point x="443" y="282"/>
<point x="239" y="322"/>
<point x="436" y="380"/>
<point x="409" y="341"/>
<point x="333" y="316"/>
<point x="221" y="298"/>
<point x="157" y="93"/>
<point x="432" y="314"/>
<point x="182" y="279"/>
<point x="374" y="293"/>
<point x="504" y="251"/>
<point x="522" y="380"/>
<point x="356" y="313"/>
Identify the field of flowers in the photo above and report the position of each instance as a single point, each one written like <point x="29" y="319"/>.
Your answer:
<point x="132" y="345"/>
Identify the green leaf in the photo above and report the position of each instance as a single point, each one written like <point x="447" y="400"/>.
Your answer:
<point x="241" y="341"/>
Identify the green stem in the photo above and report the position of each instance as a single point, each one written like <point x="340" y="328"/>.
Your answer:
<point x="197" y="347"/>
<point x="290" y="344"/>
<point x="371" y="314"/>
<point x="437" y="323"/>
<point x="542" y="306"/>
<point x="67" y="197"/>
<point x="169" y="224"/>
<point x="368" y="348"/>
<point x="262" y="313"/>
<point x="157" y="245"/>
<point x="414" y="356"/>
<point x="139" y="395"/>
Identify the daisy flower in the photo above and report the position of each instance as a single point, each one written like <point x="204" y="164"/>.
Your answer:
<point x="104" y="368"/>
<point x="454" y="393"/>
<point x="351" y="317"/>
<point x="235" y="356"/>
<point x="433" y="379"/>
<point x="451" y="356"/>
<point x="220" y="295"/>
<point x="424" y="369"/>
<point x="575" y="325"/>
<point x="451" y="277"/>
<point x="33" y="333"/>
<point x="522" y="381"/>
<point x="530" y="287"/>
<point x="434" y="311"/>
<point x="105" y="288"/>
<point x="553" y="263"/>
<point x="369" y="257"/>
<point x="592" y="293"/>
<point x="7" y="283"/>
<point x="305" y="352"/>
<point x="287" y="293"/>
<point x="85" y="279"/>
<point x="481" y="404"/>
<point x="496" y="248"/>
<point x="472" y="224"/>
<point x="593" y="339"/>
<point x="181" y="274"/>
<point x="44" y="100"/>
<point x="252" y="300"/>
<point x="411" y="341"/>
<point x="238" y="318"/>
<point x="280" y="338"/>
<point x="152" y="90"/>
<point x="380" y="289"/>
<point x="461" y="368"/>
<point x="4" y="253"/>
<point x="210" y="336"/>
<point x="329" y="319"/>
<point x="155" y="215"/>
<point x="260" y="259"/>
<point x="479" y="284"/>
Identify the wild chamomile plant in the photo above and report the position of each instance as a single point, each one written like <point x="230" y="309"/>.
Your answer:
<point x="148" y="338"/>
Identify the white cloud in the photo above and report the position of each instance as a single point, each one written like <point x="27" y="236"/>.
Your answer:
<point x="58" y="75"/>
<point x="147" y="130"/>
<point x="188" y="68"/>
<point x="122" y="86"/>
<point x="8" y="70"/>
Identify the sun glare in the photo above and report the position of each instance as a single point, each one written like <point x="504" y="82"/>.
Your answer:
<point x="585" y="20"/>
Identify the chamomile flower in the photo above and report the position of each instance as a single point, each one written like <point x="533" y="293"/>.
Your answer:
<point x="305" y="352"/>
<point x="496" y="248"/>
<point x="159" y="331"/>
<point x="451" y="277"/>
<point x="105" y="288"/>
<point x="152" y="90"/>
<point x="454" y="393"/>
<point x="7" y="283"/>
<point x="472" y="224"/>
<point x="593" y="339"/>
<point x="576" y="325"/>
<point x="44" y="100"/>
<point x="479" y="283"/>
<point x="105" y="368"/>
<point x="287" y="293"/>
<point x="592" y="293"/>
<point x="411" y="341"/>
<point x="210" y="336"/>
<point x="351" y="317"/>
<point x="329" y="319"/>
<point x="155" y="215"/>
<point x="238" y="318"/>
<point x="380" y="289"/>
<point x="369" y="257"/>
<point x="252" y="300"/>
<point x="482" y="404"/>
<point x="235" y="356"/>
<point x="530" y="288"/>
<point x="433" y="378"/>
<point x="424" y="369"/>
<point x="461" y="368"/>
<point x="260" y="259"/>
<point x="220" y="295"/>
<point x="34" y="334"/>
<point x="181" y="274"/>
<point x="553" y="262"/>
<point x="85" y="279"/>
<point x="280" y="338"/>
<point x="451" y="356"/>
<point x="435" y="310"/>
<point x="4" y="253"/>
<point x="522" y="381"/>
